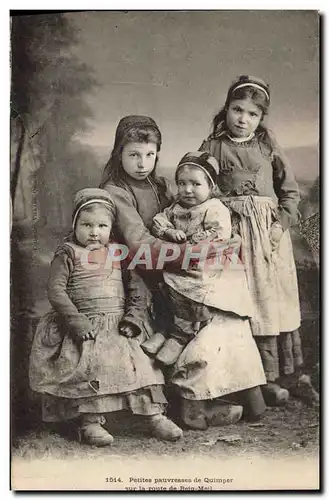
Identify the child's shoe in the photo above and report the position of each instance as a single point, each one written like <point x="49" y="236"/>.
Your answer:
<point x="274" y="395"/>
<point x="95" y="435"/>
<point x="153" y="344"/>
<point x="304" y="390"/>
<point x="170" y="352"/>
<point x="163" y="428"/>
<point x="200" y="414"/>
<point x="193" y="414"/>
<point x="219" y="414"/>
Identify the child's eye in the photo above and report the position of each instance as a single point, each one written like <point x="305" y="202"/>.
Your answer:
<point x="133" y="155"/>
<point x="253" y="114"/>
<point x="196" y="184"/>
<point x="103" y="225"/>
<point x="151" y="154"/>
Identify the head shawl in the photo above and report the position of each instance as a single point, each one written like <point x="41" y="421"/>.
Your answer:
<point x="208" y="164"/>
<point x="88" y="196"/>
<point x="133" y="121"/>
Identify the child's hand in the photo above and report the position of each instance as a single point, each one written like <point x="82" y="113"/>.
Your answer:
<point x="276" y="233"/>
<point x="86" y="336"/>
<point x="128" y="330"/>
<point x="175" y="235"/>
<point x="80" y="327"/>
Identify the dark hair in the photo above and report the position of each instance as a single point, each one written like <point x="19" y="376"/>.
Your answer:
<point x="113" y="171"/>
<point x="258" y="97"/>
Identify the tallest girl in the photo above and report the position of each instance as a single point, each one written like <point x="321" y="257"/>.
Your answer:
<point x="259" y="188"/>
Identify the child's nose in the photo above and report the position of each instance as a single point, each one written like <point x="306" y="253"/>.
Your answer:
<point x="141" y="162"/>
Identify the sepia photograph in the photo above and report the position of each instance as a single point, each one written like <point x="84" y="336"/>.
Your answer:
<point x="165" y="250"/>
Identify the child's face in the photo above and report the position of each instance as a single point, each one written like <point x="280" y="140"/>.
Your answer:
<point x="138" y="159"/>
<point x="243" y="117"/>
<point x="93" y="228"/>
<point x="193" y="187"/>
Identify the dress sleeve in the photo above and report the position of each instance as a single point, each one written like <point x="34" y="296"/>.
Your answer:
<point x="161" y="222"/>
<point x="138" y="299"/>
<point x="286" y="189"/>
<point x="57" y="295"/>
<point x="216" y="223"/>
<point x="128" y="220"/>
<point x="133" y="230"/>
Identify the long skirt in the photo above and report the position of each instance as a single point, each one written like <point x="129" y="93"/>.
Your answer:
<point x="102" y="375"/>
<point x="271" y="275"/>
<point x="222" y="359"/>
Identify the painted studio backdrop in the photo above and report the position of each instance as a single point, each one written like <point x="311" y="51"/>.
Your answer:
<point x="74" y="75"/>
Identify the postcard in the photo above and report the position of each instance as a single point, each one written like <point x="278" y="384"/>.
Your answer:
<point x="165" y="267"/>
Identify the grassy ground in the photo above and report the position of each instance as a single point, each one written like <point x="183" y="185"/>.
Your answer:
<point x="280" y="452"/>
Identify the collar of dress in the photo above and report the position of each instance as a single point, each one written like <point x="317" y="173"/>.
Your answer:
<point x="241" y="139"/>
